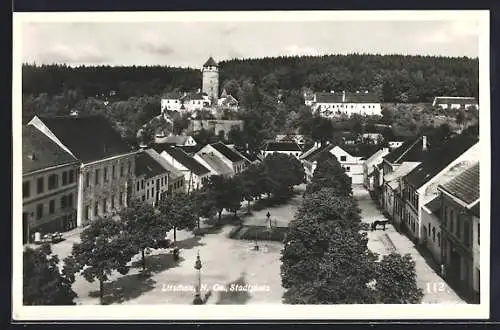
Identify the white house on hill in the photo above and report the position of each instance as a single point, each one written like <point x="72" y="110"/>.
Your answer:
<point x="334" y="104"/>
<point x="452" y="102"/>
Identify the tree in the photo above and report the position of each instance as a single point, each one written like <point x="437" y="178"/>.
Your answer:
<point x="322" y="129"/>
<point x="225" y="193"/>
<point x="43" y="283"/>
<point x="104" y="247"/>
<point x="145" y="225"/>
<point x="283" y="172"/>
<point x="330" y="174"/>
<point x="396" y="280"/>
<point x="177" y="211"/>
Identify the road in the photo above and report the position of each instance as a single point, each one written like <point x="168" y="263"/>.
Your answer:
<point x="436" y="290"/>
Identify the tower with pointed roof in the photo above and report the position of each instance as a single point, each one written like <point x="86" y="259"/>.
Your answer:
<point x="210" y="84"/>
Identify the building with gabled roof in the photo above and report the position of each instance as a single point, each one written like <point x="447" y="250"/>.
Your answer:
<point x="460" y="228"/>
<point x="290" y="148"/>
<point x="107" y="162"/>
<point x="176" y="140"/>
<point x="175" y="177"/>
<point x="151" y="179"/>
<point x="195" y="174"/>
<point x="214" y="164"/>
<point x="369" y="165"/>
<point x="455" y="102"/>
<point x="49" y="185"/>
<point x="335" y="104"/>
<point x="229" y="156"/>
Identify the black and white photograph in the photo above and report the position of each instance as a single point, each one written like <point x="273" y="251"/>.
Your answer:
<point x="265" y="165"/>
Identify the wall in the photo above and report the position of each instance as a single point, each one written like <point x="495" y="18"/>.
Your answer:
<point x="290" y="153"/>
<point x="110" y="194"/>
<point x="146" y="190"/>
<point x="331" y="110"/>
<point x="63" y="217"/>
<point x="432" y="234"/>
<point x="170" y="104"/>
<point x="352" y="165"/>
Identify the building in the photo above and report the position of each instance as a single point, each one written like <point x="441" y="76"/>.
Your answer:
<point x="49" y="185"/>
<point x="214" y="164"/>
<point x="214" y="125"/>
<point x="351" y="161"/>
<point x="335" y="104"/>
<point x="151" y="179"/>
<point x="107" y="162"/>
<point x="297" y="138"/>
<point x="195" y="174"/>
<point x="372" y="138"/>
<point x="395" y="144"/>
<point x="290" y="148"/>
<point x="460" y="229"/>
<point x="175" y="177"/>
<point x="434" y="165"/>
<point x="369" y="166"/>
<point x="311" y="157"/>
<point x="229" y="156"/>
<point x="171" y="101"/>
<point x="210" y="84"/>
<point x="227" y="101"/>
<point x="176" y="140"/>
<point x="452" y="102"/>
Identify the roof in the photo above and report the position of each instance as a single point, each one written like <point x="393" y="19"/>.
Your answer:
<point x="173" y="139"/>
<point x="172" y="95"/>
<point x="190" y="149"/>
<point x="401" y="171"/>
<point x="228" y="100"/>
<point x="193" y="96"/>
<point x="187" y="161"/>
<point x="317" y="153"/>
<point x="361" y="150"/>
<point x="147" y="166"/>
<point x="282" y="146"/>
<point x="174" y="173"/>
<point x="350" y="97"/>
<point x="375" y="158"/>
<point x="475" y="209"/>
<point x="409" y="151"/>
<point x="216" y="163"/>
<point x="40" y="152"/>
<point x="89" y="138"/>
<point x="465" y="186"/>
<point x="309" y="152"/>
<point x="436" y="160"/>
<point x="455" y="100"/>
<point x="434" y="205"/>
<point x="210" y="62"/>
<point x="227" y="152"/>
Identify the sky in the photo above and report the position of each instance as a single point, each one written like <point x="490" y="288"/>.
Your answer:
<point x="190" y="43"/>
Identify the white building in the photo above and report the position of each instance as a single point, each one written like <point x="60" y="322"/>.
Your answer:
<point x="455" y="102"/>
<point x="229" y="156"/>
<point x="369" y="166"/>
<point x="176" y="140"/>
<point x="334" y="104"/>
<point x="353" y="165"/>
<point x="151" y="178"/>
<point x="284" y="147"/>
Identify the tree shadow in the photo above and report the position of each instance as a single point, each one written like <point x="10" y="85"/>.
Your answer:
<point x="189" y="243"/>
<point x="125" y="288"/>
<point x="158" y="263"/>
<point x="233" y="296"/>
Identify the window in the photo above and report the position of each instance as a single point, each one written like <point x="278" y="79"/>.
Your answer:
<point x="119" y="199"/>
<point x="106" y="174"/>
<point x="112" y="202"/>
<point x="467" y="234"/>
<point x="433" y="234"/>
<point x="53" y="178"/>
<point x="87" y="179"/>
<point x="429" y="228"/>
<point x="129" y="167"/>
<point x="64" y="178"/>
<point x="459" y="224"/>
<point x="26" y="189"/>
<point x="147" y="193"/>
<point x="39" y="185"/>
<point x="142" y="184"/>
<point x="96" y="209"/>
<point x="439" y="239"/>
<point x="104" y="205"/>
<point x="121" y="171"/>
<point x="143" y="198"/>
<point x="138" y="185"/>
<point x="343" y="158"/>
<point x="52" y="206"/>
<point x="71" y="176"/>
<point x="347" y="168"/>
<point x="113" y="172"/>
<point x="39" y="211"/>
<point x="97" y="176"/>
<point x="123" y="198"/>
<point x="87" y="212"/>
<point x="70" y="200"/>
<point x="63" y="202"/>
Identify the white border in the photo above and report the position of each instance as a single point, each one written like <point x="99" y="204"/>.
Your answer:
<point x="264" y="312"/>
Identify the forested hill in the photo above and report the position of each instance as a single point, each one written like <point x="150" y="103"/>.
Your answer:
<point x="395" y="78"/>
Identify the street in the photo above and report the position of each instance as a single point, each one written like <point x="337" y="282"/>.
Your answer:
<point x="436" y="290"/>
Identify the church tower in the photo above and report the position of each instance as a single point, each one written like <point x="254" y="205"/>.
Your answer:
<point x="210" y="84"/>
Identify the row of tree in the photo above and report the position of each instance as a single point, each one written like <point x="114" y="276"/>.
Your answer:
<point x="326" y="259"/>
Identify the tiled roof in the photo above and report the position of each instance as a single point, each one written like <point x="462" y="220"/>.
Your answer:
<point x="329" y="97"/>
<point x="173" y="173"/>
<point x="210" y="62"/>
<point x="40" y="152"/>
<point x="193" y="96"/>
<point x="187" y="161"/>
<point x="89" y="138"/>
<point x="227" y="152"/>
<point x="455" y="100"/>
<point x="147" y="166"/>
<point x="173" y="139"/>
<point x="283" y="146"/>
<point x="317" y="153"/>
<point x="436" y="160"/>
<point x="190" y="149"/>
<point x="434" y="204"/>
<point x="465" y="186"/>
<point x="401" y="171"/>
<point x="362" y="150"/>
<point x="409" y="151"/>
<point x="216" y="164"/>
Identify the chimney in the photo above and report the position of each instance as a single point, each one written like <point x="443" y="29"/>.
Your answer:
<point x="343" y="96"/>
<point x="424" y="143"/>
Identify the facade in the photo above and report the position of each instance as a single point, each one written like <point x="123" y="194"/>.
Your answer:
<point x="460" y="231"/>
<point x="352" y="164"/>
<point x="49" y="185"/>
<point x="214" y="125"/>
<point x="284" y="147"/>
<point x="335" y="104"/>
<point x="107" y="167"/>
<point x="210" y="84"/>
<point x="227" y="101"/>
<point x="435" y="166"/>
<point x="175" y="177"/>
<point x="372" y="138"/>
<point x="370" y="164"/>
<point x="171" y="101"/>
<point x="227" y="155"/>
<point x="151" y="179"/>
<point x="451" y="102"/>
<point x="195" y="174"/>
